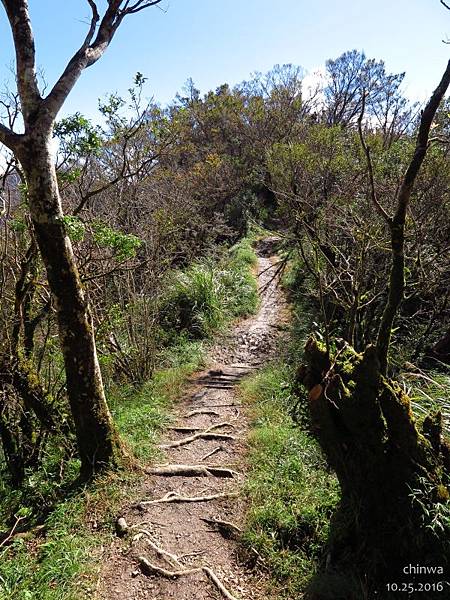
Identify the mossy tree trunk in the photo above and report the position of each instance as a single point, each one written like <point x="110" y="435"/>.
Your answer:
<point x="97" y="439"/>
<point x="393" y="476"/>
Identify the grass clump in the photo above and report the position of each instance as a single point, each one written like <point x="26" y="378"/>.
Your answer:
<point x="430" y="392"/>
<point x="202" y="299"/>
<point x="291" y="493"/>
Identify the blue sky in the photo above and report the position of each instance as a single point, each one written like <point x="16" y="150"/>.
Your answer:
<point x="216" y="41"/>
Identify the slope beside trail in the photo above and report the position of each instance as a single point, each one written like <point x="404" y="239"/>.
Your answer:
<point x="179" y="537"/>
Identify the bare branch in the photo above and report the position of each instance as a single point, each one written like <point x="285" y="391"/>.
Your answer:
<point x="138" y="6"/>
<point x="397" y="274"/>
<point x="19" y="20"/>
<point x="421" y="145"/>
<point x="366" y="149"/>
<point x="94" y="20"/>
<point x="91" y="50"/>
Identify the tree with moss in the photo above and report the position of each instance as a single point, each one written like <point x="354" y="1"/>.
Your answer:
<point x="98" y="443"/>
<point x="394" y="474"/>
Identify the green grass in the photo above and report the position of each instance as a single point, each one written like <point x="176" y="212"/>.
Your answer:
<point x="202" y="299"/>
<point x="141" y="414"/>
<point x="429" y="392"/>
<point x="290" y="491"/>
<point x="61" y="562"/>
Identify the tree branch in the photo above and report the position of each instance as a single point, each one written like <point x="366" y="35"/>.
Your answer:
<point x="92" y="49"/>
<point x="397" y="274"/>
<point x="421" y="146"/>
<point x="19" y="20"/>
<point x="10" y="139"/>
<point x="366" y="149"/>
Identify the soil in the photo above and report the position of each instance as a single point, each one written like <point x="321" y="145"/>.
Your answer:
<point x="180" y="527"/>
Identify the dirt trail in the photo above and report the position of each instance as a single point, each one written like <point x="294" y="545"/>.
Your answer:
<point x="187" y="529"/>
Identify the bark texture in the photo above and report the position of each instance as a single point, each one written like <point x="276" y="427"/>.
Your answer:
<point x="98" y="442"/>
<point x="393" y="475"/>
<point x="97" y="439"/>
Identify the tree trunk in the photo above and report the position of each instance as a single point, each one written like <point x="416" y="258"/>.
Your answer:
<point x="97" y="440"/>
<point x="393" y="474"/>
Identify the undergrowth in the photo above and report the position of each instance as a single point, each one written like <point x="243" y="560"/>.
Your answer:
<point x="65" y="527"/>
<point x="290" y="491"/>
<point x="202" y="299"/>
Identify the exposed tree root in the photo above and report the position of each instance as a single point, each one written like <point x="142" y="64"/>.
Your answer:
<point x="201" y="411"/>
<point x="213" y="577"/>
<point x="206" y="434"/>
<point x="175" y="497"/>
<point x="168" y="556"/>
<point x="174" y="562"/>
<point x="225" y="528"/>
<point x="191" y="471"/>
<point x="201" y="435"/>
<point x="218" y="449"/>
<point x="151" y="569"/>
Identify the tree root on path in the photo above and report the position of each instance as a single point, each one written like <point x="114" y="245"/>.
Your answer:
<point x="175" y="497"/>
<point x="218" y="449"/>
<point x="151" y="569"/>
<point x="225" y="528"/>
<point x="201" y="411"/>
<point x="206" y="434"/>
<point x="213" y="577"/>
<point x="191" y="471"/>
<point x="167" y="556"/>
<point x="174" y="562"/>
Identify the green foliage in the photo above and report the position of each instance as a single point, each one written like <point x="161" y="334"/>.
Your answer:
<point x="75" y="228"/>
<point x="78" y="136"/>
<point x="70" y="175"/>
<point x="290" y="490"/>
<point x="124" y="245"/>
<point x="18" y="225"/>
<point x="141" y="413"/>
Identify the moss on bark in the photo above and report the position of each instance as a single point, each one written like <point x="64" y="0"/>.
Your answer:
<point x="394" y="477"/>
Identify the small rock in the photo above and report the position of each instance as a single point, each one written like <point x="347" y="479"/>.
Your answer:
<point x="121" y="527"/>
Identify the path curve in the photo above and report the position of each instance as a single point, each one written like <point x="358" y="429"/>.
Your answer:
<point x="188" y="530"/>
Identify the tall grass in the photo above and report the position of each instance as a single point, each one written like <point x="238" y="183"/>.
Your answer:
<point x="290" y="491"/>
<point x="429" y="391"/>
<point x="203" y="298"/>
